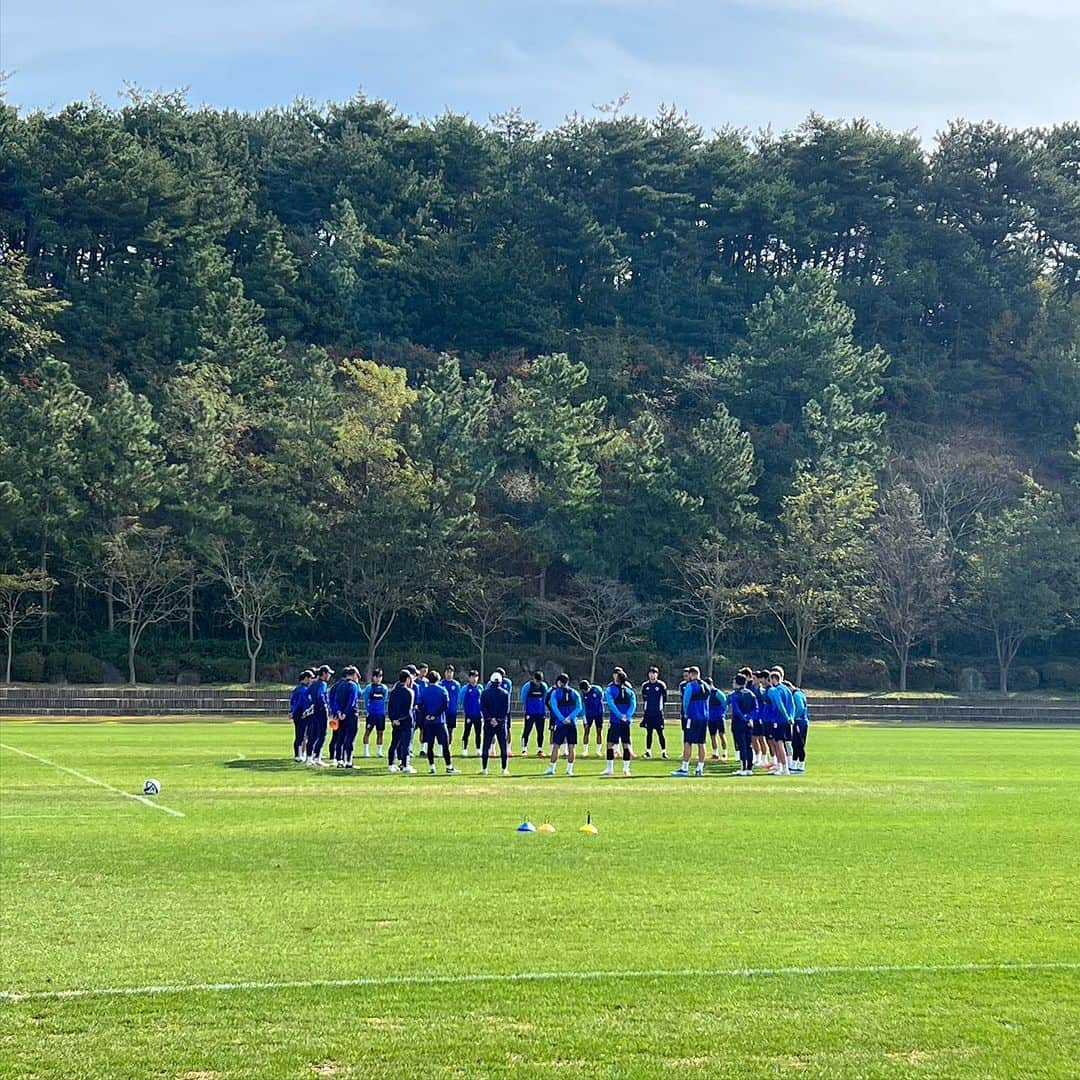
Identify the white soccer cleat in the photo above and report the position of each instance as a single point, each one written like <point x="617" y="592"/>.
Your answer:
<point x="431" y="769"/>
<point x="451" y="771"/>
<point x="648" y="754"/>
<point x="506" y="772"/>
<point x="664" y="754"/>
<point x="549" y="771"/>
<point x="300" y="759"/>
<point x="682" y="770"/>
<point x="367" y="750"/>
<point x="699" y="770"/>
<point x="483" y="771"/>
<point x="392" y="767"/>
<point x="464" y="751"/>
<point x="569" y="768"/>
<point x="609" y="770"/>
<point x="626" y="769"/>
<point x="410" y="770"/>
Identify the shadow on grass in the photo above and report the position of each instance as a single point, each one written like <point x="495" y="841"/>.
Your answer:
<point x="264" y="765"/>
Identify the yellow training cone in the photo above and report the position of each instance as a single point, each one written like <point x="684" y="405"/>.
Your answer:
<point x="589" y="827"/>
<point x="546" y="827"/>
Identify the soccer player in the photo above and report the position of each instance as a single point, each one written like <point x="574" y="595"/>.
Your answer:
<point x="400" y="708"/>
<point x="495" y="707"/>
<point x="419" y="685"/>
<point x="695" y="709"/>
<point x="790" y="702"/>
<point x="717" y="707"/>
<point x="534" y="703"/>
<point x="621" y="701"/>
<point x="299" y="707"/>
<point x="743" y="708"/>
<point x="592" y="700"/>
<point x="654" y="698"/>
<point x="778" y="717"/>
<point x="799" y="729"/>
<point x="436" y="705"/>
<point x="319" y="693"/>
<point x="761" y="744"/>
<point x="508" y="686"/>
<point x="470" y="709"/>
<point x="374" y="698"/>
<point x="453" y="691"/>
<point x="565" y="704"/>
<point x="347" y="708"/>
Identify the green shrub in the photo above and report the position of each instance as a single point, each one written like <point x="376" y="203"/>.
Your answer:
<point x="821" y="675"/>
<point x="145" y="670"/>
<point x="927" y="674"/>
<point x="864" y="673"/>
<point x="81" y="667"/>
<point x="225" y="669"/>
<point x="1060" y="675"/>
<point x="1023" y="677"/>
<point x="28" y="666"/>
<point x="55" y="665"/>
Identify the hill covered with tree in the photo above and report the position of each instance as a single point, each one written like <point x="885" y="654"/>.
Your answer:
<point x="331" y="373"/>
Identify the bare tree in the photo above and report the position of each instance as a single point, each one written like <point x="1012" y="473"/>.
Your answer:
<point x="713" y="590"/>
<point x="146" y="577"/>
<point x="256" y="590"/>
<point x="594" y="613"/>
<point x="486" y="603"/>
<point x="16" y="607"/>
<point x="912" y="574"/>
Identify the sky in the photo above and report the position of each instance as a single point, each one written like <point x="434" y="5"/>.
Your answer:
<point x="911" y="65"/>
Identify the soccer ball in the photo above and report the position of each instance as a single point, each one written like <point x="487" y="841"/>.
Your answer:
<point x="151" y="787"/>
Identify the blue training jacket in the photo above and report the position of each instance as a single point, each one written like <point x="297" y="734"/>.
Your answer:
<point x="495" y="702"/>
<point x="435" y="701"/>
<point x="802" y="715"/>
<point x="470" y="700"/>
<point x="594" y="703"/>
<point x="744" y="704"/>
<point x="345" y="696"/>
<point x="374" y="696"/>
<point x="319" y="693"/>
<point x="695" y="700"/>
<point x="299" y="700"/>
<point x="717" y="704"/>
<point x="453" y="692"/>
<point x="565" y="704"/>
<point x="621" y="701"/>
<point x="534" y="697"/>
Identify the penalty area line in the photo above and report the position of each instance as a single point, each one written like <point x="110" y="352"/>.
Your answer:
<point x="91" y="780"/>
<point x="15" y="996"/>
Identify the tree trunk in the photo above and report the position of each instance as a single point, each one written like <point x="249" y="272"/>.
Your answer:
<point x="110" y="606"/>
<point x="370" y="657"/>
<point x="483" y="652"/>
<point x="592" y="670"/>
<point x="191" y="608"/>
<point x="7" y="675"/>
<point x="904" y="650"/>
<point x="44" y="592"/>
<point x="131" y="661"/>
<point x="542" y="593"/>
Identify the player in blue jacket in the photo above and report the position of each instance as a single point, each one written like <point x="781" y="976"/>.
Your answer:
<point x="453" y="692"/>
<point x="654" y="697"/>
<point x="565" y="705"/>
<point x="592" y="700"/>
<point x="778" y="716"/>
<point x="299" y="710"/>
<point x="717" y="709"/>
<point x="345" y="702"/>
<point x="696" y="710"/>
<point x="621" y="701"/>
<point x="469" y="701"/>
<point x="743" y="707"/>
<point x="374" y="697"/>
<point x="319" y="694"/>
<point x="789" y="702"/>
<point x="800" y="728"/>
<point x="436" y="705"/>
<point x="534" y="704"/>
<point x="400" y="709"/>
<point x="495" y="707"/>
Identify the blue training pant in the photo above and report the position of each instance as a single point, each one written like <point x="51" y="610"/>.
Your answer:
<point x="534" y="723"/>
<point x="400" y="741"/>
<point x="316" y="734"/>
<point x="475" y="725"/>
<point x="743" y="730"/>
<point x="499" y="731"/>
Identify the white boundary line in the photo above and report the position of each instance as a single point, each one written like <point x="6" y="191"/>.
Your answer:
<point x="90" y="780"/>
<point x="15" y="996"/>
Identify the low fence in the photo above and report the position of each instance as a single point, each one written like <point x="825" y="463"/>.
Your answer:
<point x="189" y="701"/>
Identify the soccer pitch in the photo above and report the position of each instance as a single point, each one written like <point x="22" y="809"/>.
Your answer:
<point x="908" y="907"/>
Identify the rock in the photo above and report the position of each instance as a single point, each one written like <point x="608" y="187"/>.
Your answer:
<point x="971" y="681"/>
<point x="188" y="678"/>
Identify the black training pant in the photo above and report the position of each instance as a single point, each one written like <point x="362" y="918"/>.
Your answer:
<point x="496" y="731"/>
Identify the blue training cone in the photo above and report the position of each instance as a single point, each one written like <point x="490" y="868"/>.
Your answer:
<point x="526" y="826"/>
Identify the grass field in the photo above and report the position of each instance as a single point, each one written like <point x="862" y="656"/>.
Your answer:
<point x="909" y="907"/>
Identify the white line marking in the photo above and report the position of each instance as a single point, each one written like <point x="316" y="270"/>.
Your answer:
<point x="541" y="976"/>
<point x="90" y="780"/>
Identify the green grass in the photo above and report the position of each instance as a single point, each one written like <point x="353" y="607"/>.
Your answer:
<point x="922" y="847"/>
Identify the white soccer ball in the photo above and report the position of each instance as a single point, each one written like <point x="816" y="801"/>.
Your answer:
<point x="151" y="787"/>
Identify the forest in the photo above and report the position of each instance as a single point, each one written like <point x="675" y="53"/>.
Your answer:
<point x="331" y="377"/>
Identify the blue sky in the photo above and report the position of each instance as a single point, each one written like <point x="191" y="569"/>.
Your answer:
<point x="914" y="64"/>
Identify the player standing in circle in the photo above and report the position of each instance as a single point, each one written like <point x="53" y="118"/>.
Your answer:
<point x="695" y="709"/>
<point x="800" y="728"/>
<point x="347" y="705"/>
<point x="470" y="709"/>
<point x="299" y="708"/>
<point x="565" y="704"/>
<point x="654" y="698"/>
<point x="399" y="707"/>
<point x="374" y="698"/>
<point x="453" y="692"/>
<point x="717" y="709"/>
<point x="743" y="708"/>
<point x="319" y="692"/>
<point x="779" y="714"/>
<point x="436" y="704"/>
<point x="621" y="702"/>
<point x="495" y="707"/>
<point x="758" y="687"/>
<point x="592" y="700"/>
<point x="534" y="703"/>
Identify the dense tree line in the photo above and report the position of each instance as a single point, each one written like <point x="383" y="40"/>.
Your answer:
<point x="333" y="366"/>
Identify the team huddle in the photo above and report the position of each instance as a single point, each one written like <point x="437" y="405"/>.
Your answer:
<point x="767" y="716"/>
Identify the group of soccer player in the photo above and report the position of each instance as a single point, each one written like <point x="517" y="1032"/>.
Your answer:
<point x="767" y="714"/>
